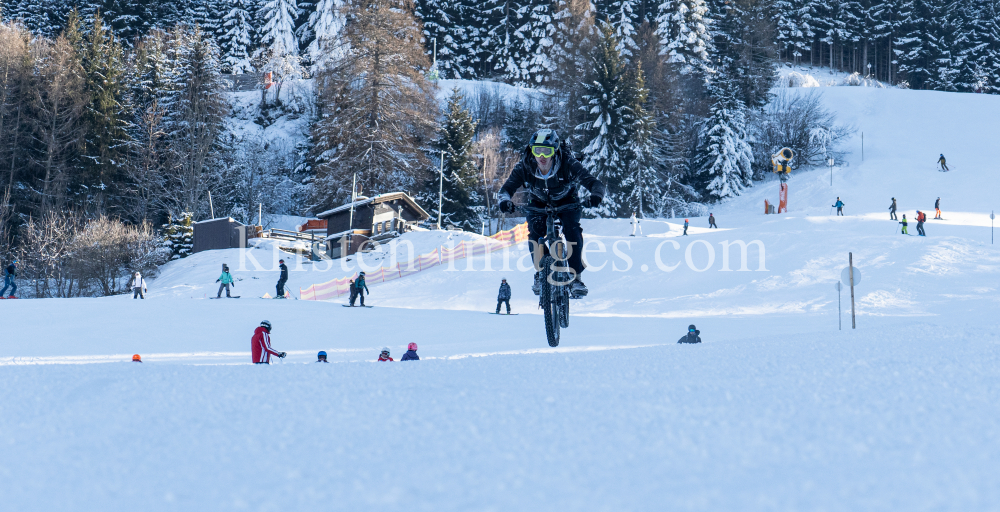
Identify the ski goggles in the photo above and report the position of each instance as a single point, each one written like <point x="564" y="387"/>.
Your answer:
<point x="543" y="151"/>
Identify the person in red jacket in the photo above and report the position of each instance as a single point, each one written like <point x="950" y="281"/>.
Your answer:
<point x="384" y="356"/>
<point x="260" y="345"/>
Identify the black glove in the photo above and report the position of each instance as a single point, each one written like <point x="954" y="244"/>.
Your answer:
<point x="282" y="355"/>
<point x="507" y="206"/>
<point x="595" y="201"/>
<point x="216" y="280"/>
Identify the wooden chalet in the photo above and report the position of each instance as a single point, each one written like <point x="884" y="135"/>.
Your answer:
<point x="378" y="218"/>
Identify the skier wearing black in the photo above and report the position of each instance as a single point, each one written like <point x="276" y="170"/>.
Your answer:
<point x="504" y="296"/>
<point x="282" y="279"/>
<point x="8" y="280"/>
<point x="892" y="210"/>
<point x="711" y="221"/>
<point x="840" y="207"/>
<point x="692" y="336"/>
<point x="937" y="208"/>
<point x="943" y="164"/>
<point x="357" y="287"/>
<point x="552" y="175"/>
<point x="411" y="353"/>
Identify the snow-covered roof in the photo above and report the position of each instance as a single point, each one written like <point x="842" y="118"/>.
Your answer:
<point x="230" y="219"/>
<point x="381" y="198"/>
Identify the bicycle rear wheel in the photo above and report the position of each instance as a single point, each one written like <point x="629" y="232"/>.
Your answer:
<point x="550" y="304"/>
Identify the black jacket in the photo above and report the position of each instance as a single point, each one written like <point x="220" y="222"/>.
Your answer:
<point x="690" y="338"/>
<point x="937" y="204"/>
<point x="12" y="270"/>
<point x="892" y="207"/>
<point x="284" y="273"/>
<point x="560" y="188"/>
<point x="504" y="292"/>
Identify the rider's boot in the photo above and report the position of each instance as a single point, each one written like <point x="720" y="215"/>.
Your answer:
<point x="577" y="288"/>
<point x="537" y="287"/>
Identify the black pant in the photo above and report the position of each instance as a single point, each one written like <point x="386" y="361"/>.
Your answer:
<point x="892" y="214"/>
<point x="712" y="224"/>
<point x="281" y="287"/>
<point x="685" y="230"/>
<point x="571" y="230"/>
<point x="355" y="294"/>
<point x="137" y="293"/>
<point x="503" y="301"/>
<point x="221" y="286"/>
<point x="920" y="229"/>
<point x="840" y="211"/>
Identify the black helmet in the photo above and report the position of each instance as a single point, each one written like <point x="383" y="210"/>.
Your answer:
<point x="267" y="325"/>
<point x="691" y="328"/>
<point x="545" y="137"/>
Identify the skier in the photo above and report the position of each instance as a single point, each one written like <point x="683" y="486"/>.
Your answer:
<point x="685" y="227"/>
<point x="359" y="284"/>
<point x="937" y="208"/>
<point x="904" y="225"/>
<point x="8" y="281"/>
<point x="504" y="296"/>
<point x="136" y="358"/>
<point x="943" y="164"/>
<point x="691" y="336"/>
<point x="227" y="280"/>
<point x="411" y="353"/>
<point x="384" y="356"/>
<point x="260" y="345"/>
<point x="282" y="279"/>
<point x="921" y="217"/>
<point x="635" y="225"/>
<point x="552" y="177"/>
<point x="840" y="207"/>
<point x="138" y="286"/>
<point x="711" y="221"/>
<point x="892" y="210"/>
<point x="321" y="357"/>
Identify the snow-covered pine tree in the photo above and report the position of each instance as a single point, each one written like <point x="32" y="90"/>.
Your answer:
<point x="971" y="43"/>
<point x="445" y="25"/>
<point x="237" y="40"/>
<point x="278" y="31"/>
<point x="462" y="198"/>
<point x="325" y="23"/>
<point x="917" y="43"/>
<point x="725" y="155"/>
<point x="521" y="40"/>
<point x="625" y="17"/>
<point x="641" y="181"/>
<point x="989" y="27"/>
<point x="179" y="236"/>
<point x="793" y="28"/>
<point x="682" y="27"/>
<point x="608" y="102"/>
<point x="738" y="52"/>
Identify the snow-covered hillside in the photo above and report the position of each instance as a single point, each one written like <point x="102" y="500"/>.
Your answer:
<point x="776" y="410"/>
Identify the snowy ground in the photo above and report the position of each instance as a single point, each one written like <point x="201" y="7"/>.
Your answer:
<point x="776" y="410"/>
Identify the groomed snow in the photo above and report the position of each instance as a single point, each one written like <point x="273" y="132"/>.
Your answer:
<point x="776" y="410"/>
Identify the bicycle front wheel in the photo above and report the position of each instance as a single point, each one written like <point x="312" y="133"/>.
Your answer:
<point x="550" y="304"/>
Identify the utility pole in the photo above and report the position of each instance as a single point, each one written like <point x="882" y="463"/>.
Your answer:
<point x="486" y="189"/>
<point x="210" y="207"/>
<point x="350" y="222"/>
<point x="441" y="189"/>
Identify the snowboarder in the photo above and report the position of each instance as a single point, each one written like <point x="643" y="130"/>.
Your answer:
<point x="904" y="225"/>
<point x="260" y="345"/>
<point x="384" y="356"/>
<point x="921" y="218"/>
<point x="504" y="296"/>
<point x="840" y="207"/>
<point x="8" y="280"/>
<point x="892" y="210"/>
<point x="282" y="279"/>
<point x="321" y="357"/>
<point x="227" y="280"/>
<point x="635" y="225"/>
<point x="691" y="336"/>
<point x="357" y="287"/>
<point x="136" y="358"/>
<point x="411" y="353"/>
<point x="711" y="221"/>
<point x="552" y="176"/>
<point x="944" y="166"/>
<point x="685" y="227"/>
<point x="138" y="286"/>
<point x="937" y="208"/>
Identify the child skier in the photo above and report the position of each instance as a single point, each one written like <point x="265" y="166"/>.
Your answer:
<point x="635" y="225"/>
<point x="260" y="345"/>
<point x="937" y="208"/>
<point x="138" y="286"/>
<point x="357" y="287"/>
<point x="8" y="281"/>
<point x="904" y="225"/>
<point x="691" y="336"/>
<point x="384" y="356"/>
<point x="504" y="296"/>
<point x="227" y="280"/>
<point x="411" y="353"/>
<point x="282" y="279"/>
<point x="321" y="357"/>
<point x="840" y="207"/>
<point x="685" y="227"/>
<point x="711" y="221"/>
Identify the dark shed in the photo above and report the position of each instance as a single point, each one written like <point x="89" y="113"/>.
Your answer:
<point x="224" y="233"/>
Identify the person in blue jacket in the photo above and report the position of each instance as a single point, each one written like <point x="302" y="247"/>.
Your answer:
<point x="8" y="281"/>
<point x="411" y="353"/>
<point x="504" y="296"/>
<point x="840" y="207"/>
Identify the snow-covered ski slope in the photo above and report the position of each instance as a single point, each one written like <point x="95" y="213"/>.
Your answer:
<point x="776" y="410"/>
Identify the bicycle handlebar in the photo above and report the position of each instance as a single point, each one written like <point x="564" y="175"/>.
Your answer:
<point x="553" y="209"/>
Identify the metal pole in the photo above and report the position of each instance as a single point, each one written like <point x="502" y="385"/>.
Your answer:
<point x="210" y="207"/>
<point x="486" y="189"/>
<point x="862" y="146"/>
<point x="840" y="322"/>
<point x="991" y="226"/>
<point x="850" y="261"/>
<point x="260" y="214"/>
<point x="350" y="222"/>
<point x="441" y="189"/>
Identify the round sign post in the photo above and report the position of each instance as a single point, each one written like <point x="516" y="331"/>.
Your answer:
<point x="991" y="227"/>
<point x="850" y="277"/>
<point x="837" y="285"/>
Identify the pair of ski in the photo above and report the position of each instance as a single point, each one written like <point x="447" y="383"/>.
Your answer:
<point x="233" y="297"/>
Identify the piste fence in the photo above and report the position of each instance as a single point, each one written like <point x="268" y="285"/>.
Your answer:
<point x="337" y="287"/>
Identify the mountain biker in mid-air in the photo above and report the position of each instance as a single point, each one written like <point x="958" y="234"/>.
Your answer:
<point x="551" y="176"/>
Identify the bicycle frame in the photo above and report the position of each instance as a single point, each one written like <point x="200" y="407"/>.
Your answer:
<point x="555" y="295"/>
